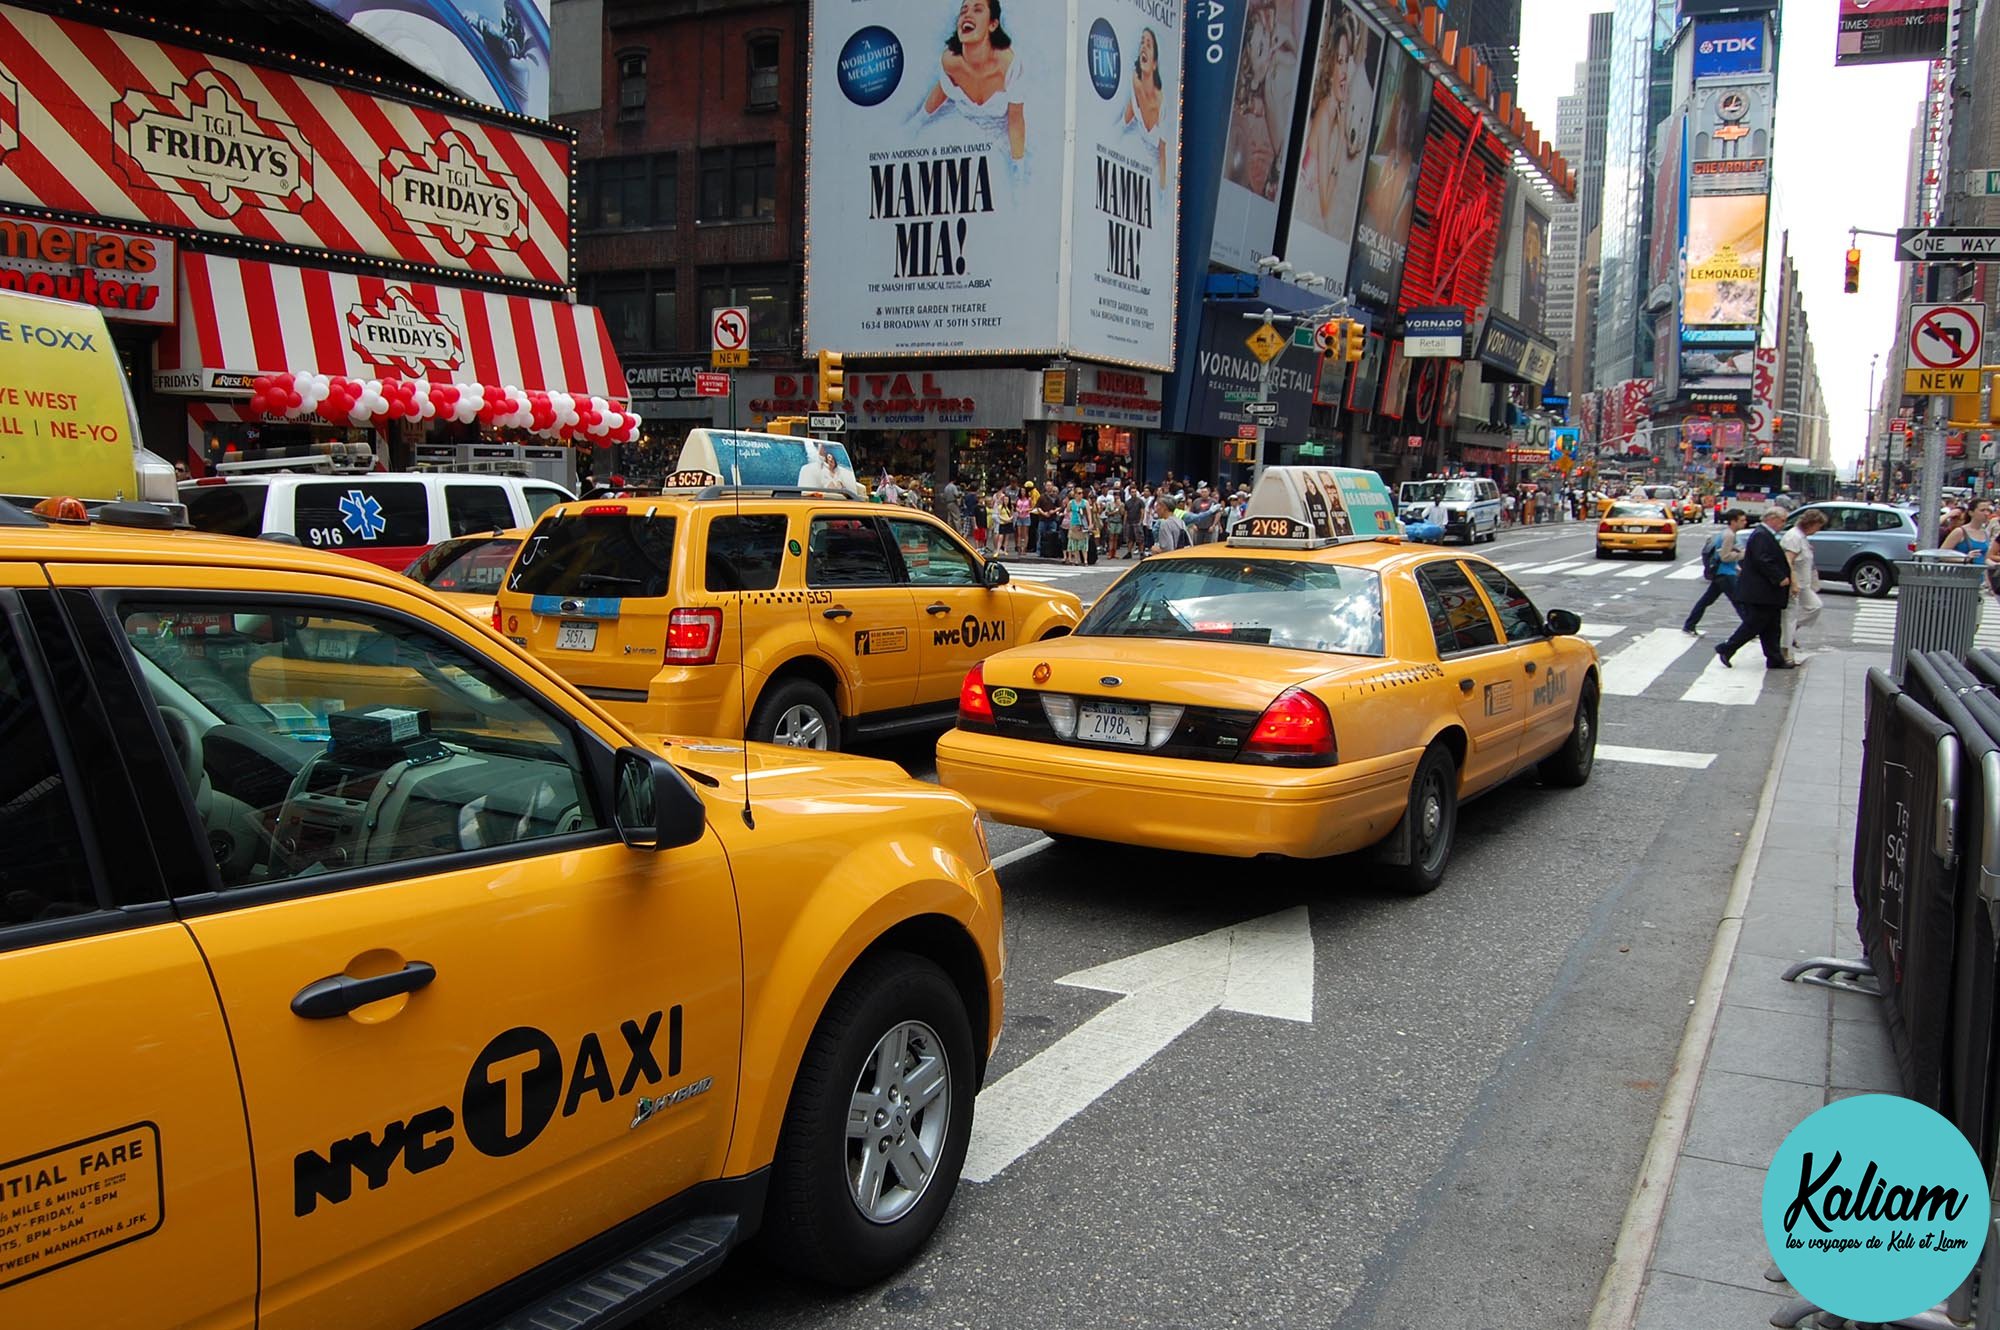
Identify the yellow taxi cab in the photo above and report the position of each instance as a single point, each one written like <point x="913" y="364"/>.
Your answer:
<point x="467" y="570"/>
<point x="1308" y="689"/>
<point x="1631" y="527"/>
<point x="432" y="991"/>
<point x="801" y="617"/>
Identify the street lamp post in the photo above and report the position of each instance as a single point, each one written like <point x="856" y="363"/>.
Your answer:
<point x="1868" y="445"/>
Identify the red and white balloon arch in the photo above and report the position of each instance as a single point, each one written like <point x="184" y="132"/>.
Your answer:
<point x="367" y="402"/>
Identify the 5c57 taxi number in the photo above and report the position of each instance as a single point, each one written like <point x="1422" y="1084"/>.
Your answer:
<point x="1298" y="691"/>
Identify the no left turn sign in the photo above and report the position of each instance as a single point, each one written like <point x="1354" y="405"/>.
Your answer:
<point x="729" y="328"/>
<point x="1945" y="336"/>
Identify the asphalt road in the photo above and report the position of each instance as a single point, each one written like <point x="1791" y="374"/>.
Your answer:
<point x="1452" y="1139"/>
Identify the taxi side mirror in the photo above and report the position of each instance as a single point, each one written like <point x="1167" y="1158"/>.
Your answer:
<point x="656" y="809"/>
<point x="994" y="574"/>
<point x="1564" y="623"/>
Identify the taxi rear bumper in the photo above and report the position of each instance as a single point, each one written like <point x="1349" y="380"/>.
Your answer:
<point x="1653" y="542"/>
<point x="1238" y="811"/>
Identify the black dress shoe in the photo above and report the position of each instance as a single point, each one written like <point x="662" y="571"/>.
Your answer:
<point x="1727" y="664"/>
<point x="1781" y="665"/>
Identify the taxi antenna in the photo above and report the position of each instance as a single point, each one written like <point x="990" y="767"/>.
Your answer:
<point x="742" y="692"/>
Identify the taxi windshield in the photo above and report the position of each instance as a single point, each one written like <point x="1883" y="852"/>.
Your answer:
<point x="1267" y="602"/>
<point x="1652" y="510"/>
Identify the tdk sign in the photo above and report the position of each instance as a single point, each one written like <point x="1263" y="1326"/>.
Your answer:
<point x="1728" y="46"/>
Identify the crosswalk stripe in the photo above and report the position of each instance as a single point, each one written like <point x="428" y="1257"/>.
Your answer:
<point x="1723" y="686"/>
<point x="1632" y="670"/>
<point x="1599" y="632"/>
<point x="1687" y="574"/>
<point x="1590" y="570"/>
<point x="1655" y="757"/>
<point x="1643" y="570"/>
<point x="1875" y="625"/>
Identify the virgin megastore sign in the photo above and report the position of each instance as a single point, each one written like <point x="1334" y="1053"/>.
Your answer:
<point x="127" y="127"/>
<point x="1096" y="395"/>
<point x="897" y="398"/>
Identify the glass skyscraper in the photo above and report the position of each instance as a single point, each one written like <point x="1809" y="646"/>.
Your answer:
<point x="1641" y="86"/>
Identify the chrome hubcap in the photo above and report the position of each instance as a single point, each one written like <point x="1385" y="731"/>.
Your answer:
<point x="896" y="1122"/>
<point x="800" y="727"/>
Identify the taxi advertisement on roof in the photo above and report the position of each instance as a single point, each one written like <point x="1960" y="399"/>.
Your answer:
<point x="1316" y="505"/>
<point x="130" y="128"/>
<point x="75" y="440"/>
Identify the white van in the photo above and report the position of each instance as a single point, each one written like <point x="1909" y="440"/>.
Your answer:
<point x="389" y="518"/>
<point x="1471" y="505"/>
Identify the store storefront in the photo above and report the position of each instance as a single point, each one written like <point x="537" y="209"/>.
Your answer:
<point x="313" y="321"/>
<point x="1096" y="419"/>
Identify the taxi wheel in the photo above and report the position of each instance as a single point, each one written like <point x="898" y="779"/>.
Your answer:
<point x="798" y="714"/>
<point x="1430" y="822"/>
<point x="1569" y="766"/>
<point x="876" y="1130"/>
<point x="1603" y="553"/>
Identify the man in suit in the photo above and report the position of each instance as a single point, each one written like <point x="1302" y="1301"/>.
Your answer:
<point x="1763" y="589"/>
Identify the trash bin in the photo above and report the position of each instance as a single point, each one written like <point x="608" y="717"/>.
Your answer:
<point x="1937" y="605"/>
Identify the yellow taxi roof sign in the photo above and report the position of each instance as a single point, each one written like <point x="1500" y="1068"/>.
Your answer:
<point x="1307" y="507"/>
<point x="65" y="416"/>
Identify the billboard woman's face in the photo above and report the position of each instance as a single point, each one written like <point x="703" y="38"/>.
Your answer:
<point x="975" y="21"/>
<point x="1149" y="57"/>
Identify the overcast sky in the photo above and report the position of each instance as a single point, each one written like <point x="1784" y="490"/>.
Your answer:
<point x="1841" y="149"/>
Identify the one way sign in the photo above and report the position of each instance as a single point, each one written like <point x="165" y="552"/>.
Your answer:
<point x="1948" y="244"/>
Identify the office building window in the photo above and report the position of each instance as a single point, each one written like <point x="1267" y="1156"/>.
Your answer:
<point x="763" y="71"/>
<point x="638" y="308"/>
<point x="628" y="191"/>
<point x="739" y="184"/>
<point x="771" y="293"/>
<point x="632" y="85"/>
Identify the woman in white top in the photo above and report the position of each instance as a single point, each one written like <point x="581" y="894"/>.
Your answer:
<point x="1143" y="110"/>
<point x="1804" y="606"/>
<point x="979" y="75"/>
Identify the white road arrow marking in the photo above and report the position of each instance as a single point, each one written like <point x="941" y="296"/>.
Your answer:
<point x="1263" y="967"/>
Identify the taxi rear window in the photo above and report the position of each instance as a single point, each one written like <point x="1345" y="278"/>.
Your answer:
<point x="472" y="563"/>
<point x="597" y="554"/>
<point x="1266" y="602"/>
<point x="1636" y="510"/>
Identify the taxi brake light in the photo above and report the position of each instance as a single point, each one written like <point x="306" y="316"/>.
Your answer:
<point x="693" y="636"/>
<point x="496" y="617"/>
<point x="1294" y="731"/>
<point x="974" y="707"/>
<point x="605" y="510"/>
<point x="213" y="480"/>
<point x="1603" y="527"/>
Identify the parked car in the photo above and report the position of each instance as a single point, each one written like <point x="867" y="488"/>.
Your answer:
<point x="1861" y="543"/>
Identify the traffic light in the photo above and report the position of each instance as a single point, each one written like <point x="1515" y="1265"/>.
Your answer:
<point x="1327" y="337"/>
<point x="832" y="382"/>
<point x="1853" y="272"/>
<point x="1352" y="335"/>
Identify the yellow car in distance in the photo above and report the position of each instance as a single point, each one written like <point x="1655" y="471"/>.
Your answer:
<point x="1296" y="691"/>
<point x="1628" y="527"/>
<point x="435" y="994"/>
<point x="468" y="570"/>
<point x="804" y="617"/>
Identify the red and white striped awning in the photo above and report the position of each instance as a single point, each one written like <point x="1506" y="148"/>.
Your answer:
<point x="240" y="319"/>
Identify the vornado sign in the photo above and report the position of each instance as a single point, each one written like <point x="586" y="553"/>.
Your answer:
<point x="398" y="335"/>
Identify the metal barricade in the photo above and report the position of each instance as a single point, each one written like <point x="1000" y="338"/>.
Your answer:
<point x="1937" y="605"/>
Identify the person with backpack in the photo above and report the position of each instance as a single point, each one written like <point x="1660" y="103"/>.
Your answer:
<point x="1720" y="557"/>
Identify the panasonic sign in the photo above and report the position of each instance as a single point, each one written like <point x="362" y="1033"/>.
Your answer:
<point x="1728" y="46"/>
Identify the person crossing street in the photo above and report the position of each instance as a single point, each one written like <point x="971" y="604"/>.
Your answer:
<point x="1763" y="589"/>
<point x="1721" y="558"/>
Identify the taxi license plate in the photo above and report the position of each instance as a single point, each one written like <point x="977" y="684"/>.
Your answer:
<point x="572" y="635"/>
<point x="1112" y="723"/>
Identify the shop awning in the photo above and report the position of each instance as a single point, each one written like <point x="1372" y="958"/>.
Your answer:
<point x="240" y="319"/>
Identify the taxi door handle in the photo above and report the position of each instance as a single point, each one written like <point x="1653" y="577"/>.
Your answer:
<point x="1530" y="665"/>
<point x="837" y="612"/>
<point x="1465" y="685"/>
<point x="937" y="607"/>
<point x="338" y="994"/>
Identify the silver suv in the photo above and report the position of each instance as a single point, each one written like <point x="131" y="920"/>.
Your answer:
<point x="1861" y="543"/>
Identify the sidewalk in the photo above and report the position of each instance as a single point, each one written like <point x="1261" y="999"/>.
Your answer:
<point x="1760" y="1054"/>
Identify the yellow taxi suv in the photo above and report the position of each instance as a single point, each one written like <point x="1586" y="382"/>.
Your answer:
<point x="799" y="617"/>
<point x="467" y="571"/>
<point x="1307" y="689"/>
<point x="357" y="971"/>
<point x="1637" y="528"/>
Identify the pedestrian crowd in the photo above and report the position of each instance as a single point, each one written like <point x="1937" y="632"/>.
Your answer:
<point x="1080" y="522"/>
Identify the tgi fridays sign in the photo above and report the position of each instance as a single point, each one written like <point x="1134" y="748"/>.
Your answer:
<point x="127" y="127"/>
<point x="130" y="277"/>
<point x="398" y="336"/>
